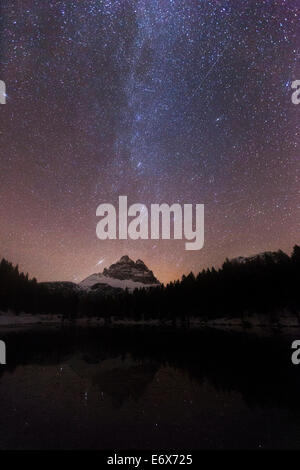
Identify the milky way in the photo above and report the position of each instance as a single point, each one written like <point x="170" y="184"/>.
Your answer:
<point x="183" y="101"/>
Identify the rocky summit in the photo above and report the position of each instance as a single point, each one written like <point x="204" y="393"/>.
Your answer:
<point x="124" y="274"/>
<point x="126" y="268"/>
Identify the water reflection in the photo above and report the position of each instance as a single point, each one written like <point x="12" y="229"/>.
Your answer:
<point x="146" y="387"/>
<point x="121" y="378"/>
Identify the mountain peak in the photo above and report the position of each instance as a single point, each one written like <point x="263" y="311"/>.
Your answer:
<point x="263" y="257"/>
<point x="125" y="259"/>
<point x="124" y="274"/>
<point x="139" y="261"/>
<point x="126" y="268"/>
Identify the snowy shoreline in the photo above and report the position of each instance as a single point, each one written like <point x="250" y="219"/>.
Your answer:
<point x="11" y="320"/>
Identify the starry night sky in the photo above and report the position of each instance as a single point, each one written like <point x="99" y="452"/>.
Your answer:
<point x="183" y="101"/>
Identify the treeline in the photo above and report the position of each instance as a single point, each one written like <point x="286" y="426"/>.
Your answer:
<point x="19" y="294"/>
<point x="267" y="284"/>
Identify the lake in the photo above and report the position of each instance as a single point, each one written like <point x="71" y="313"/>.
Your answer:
<point x="148" y="387"/>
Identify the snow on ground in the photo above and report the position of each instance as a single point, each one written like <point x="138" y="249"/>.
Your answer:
<point x="110" y="281"/>
<point x="11" y="319"/>
<point x="257" y="320"/>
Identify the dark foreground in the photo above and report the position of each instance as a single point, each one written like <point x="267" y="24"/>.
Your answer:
<point x="148" y="387"/>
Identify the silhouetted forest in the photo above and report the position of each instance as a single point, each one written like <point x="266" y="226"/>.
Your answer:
<point x="267" y="284"/>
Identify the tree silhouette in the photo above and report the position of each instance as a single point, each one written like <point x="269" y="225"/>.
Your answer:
<point x="267" y="284"/>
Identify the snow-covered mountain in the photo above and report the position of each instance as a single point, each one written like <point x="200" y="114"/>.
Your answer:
<point x="263" y="257"/>
<point x="123" y="274"/>
<point x="65" y="286"/>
